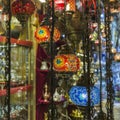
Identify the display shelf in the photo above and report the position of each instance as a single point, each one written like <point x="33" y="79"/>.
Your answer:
<point x="43" y="102"/>
<point x="11" y="83"/>
<point x="42" y="71"/>
<point x="26" y="43"/>
<point x="48" y="102"/>
<point x="16" y="89"/>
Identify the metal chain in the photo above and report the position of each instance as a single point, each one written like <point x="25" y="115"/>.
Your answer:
<point x="7" y="12"/>
<point x="110" y="91"/>
<point x="88" y="51"/>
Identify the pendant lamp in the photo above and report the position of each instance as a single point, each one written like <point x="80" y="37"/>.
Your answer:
<point x="66" y="60"/>
<point x="22" y="9"/>
<point x="79" y="95"/>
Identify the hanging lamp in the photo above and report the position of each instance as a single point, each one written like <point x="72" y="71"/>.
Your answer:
<point x="66" y="60"/>
<point x="61" y="5"/>
<point x="66" y="63"/>
<point x="42" y="34"/>
<point x="22" y="10"/>
<point x="79" y="95"/>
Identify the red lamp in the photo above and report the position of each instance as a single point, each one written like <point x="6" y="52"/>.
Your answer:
<point x="22" y="9"/>
<point x="42" y="34"/>
<point x="59" y="5"/>
<point x="68" y="5"/>
<point x="66" y="63"/>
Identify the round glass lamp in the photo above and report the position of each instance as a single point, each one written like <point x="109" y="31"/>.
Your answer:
<point x="22" y="9"/>
<point x="79" y="95"/>
<point x="66" y="63"/>
<point x="42" y="34"/>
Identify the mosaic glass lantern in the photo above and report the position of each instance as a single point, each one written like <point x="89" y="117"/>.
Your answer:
<point x="61" y="4"/>
<point x="79" y="95"/>
<point x="70" y="6"/>
<point x="66" y="63"/>
<point x="22" y="9"/>
<point x="42" y="34"/>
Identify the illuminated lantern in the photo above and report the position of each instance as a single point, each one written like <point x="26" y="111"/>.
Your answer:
<point x="79" y="95"/>
<point x="113" y="50"/>
<point x="66" y="63"/>
<point x="117" y="57"/>
<point x="59" y="5"/>
<point x="22" y="9"/>
<point x="42" y="34"/>
<point x="70" y="6"/>
<point x="112" y="0"/>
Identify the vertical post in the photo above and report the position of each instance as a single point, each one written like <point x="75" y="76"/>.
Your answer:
<point x="88" y="64"/>
<point x="100" y="45"/>
<point x="51" y="62"/>
<point x="7" y="11"/>
<point x="109" y="80"/>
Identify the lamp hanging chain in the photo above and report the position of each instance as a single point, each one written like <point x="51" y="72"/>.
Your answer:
<point x="110" y="90"/>
<point x="52" y="74"/>
<point x="7" y="12"/>
<point x="100" y="51"/>
<point x="87" y="52"/>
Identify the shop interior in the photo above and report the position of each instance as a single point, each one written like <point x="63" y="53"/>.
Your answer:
<point x="59" y="59"/>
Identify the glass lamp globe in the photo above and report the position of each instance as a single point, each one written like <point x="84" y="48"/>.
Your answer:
<point x="66" y="63"/>
<point x="79" y="95"/>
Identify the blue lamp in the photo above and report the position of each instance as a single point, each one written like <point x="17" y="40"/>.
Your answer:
<point x="79" y="95"/>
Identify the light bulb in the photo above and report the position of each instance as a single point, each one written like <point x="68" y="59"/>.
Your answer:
<point x="42" y="1"/>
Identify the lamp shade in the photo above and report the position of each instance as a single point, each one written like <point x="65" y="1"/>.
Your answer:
<point x="59" y="5"/>
<point x="22" y="9"/>
<point x="79" y="95"/>
<point x="42" y="34"/>
<point x="66" y="63"/>
<point x="70" y="5"/>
